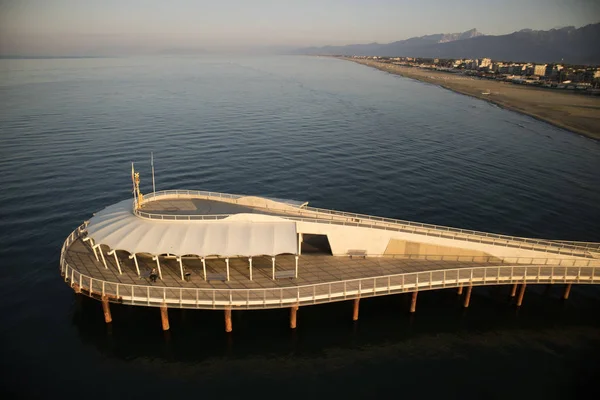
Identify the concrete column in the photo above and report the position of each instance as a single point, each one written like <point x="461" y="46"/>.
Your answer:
<point x="250" y="262"/>
<point x="521" y="294"/>
<point x="158" y="265"/>
<point x="355" y="311"/>
<point x="106" y="309"/>
<point x="228" y="327"/>
<point x="181" y="268"/>
<point x="293" y="311"/>
<point x="164" y="316"/>
<point x="114" y="253"/>
<point x="468" y="296"/>
<point x="137" y="267"/>
<point x="567" y="291"/>
<point x="300" y="238"/>
<point x="102" y="255"/>
<point x="413" y="302"/>
<point x="94" y="249"/>
<point x="513" y="292"/>
<point x="460" y="289"/>
<point x="296" y="273"/>
<point x="227" y="264"/>
<point x="204" y="267"/>
<point x="273" y="260"/>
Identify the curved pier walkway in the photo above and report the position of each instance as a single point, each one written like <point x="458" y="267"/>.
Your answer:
<point x="320" y="278"/>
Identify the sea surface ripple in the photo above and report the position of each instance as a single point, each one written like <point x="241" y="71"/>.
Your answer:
<point x="334" y="133"/>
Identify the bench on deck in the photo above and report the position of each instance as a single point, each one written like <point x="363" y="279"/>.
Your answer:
<point x="285" y="274"/>
<point x="357" y="253"/>
<point x="211" y="276"/>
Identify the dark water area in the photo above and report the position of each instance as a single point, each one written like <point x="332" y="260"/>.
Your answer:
<point x="334" y="133"/>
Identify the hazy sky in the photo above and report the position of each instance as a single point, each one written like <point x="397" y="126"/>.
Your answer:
<point x="106" y="26"/>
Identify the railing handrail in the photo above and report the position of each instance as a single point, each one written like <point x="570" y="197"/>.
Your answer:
<point x="362" y="220"/>
<point x="470" y="270"/>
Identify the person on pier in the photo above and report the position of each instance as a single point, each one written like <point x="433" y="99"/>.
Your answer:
<point x="153" y="275"/>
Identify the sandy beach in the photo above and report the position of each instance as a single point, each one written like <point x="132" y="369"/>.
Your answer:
<point x="575" y="112"/>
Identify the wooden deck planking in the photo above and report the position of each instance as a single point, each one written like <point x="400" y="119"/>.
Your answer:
<point x="313" y="269"/>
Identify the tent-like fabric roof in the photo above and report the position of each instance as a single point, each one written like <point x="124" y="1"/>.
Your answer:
<point x="119" y="228"/>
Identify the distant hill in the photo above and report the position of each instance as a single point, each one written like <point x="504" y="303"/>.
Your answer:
<point x="569" y="44"/>
<point x="375" y="49"/>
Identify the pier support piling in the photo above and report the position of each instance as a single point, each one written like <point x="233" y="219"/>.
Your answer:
<point x="228" y="326"/>
<point x="468" y="296"/>
<point x="355" y="311"/>
<point x="460" y="289"/>
<point x="521" y="294"/>
<point x="513" y="292"/>
<point x="413" y="302"/>
<point x="293" y="311"/>
<point x="164" y="316"/>
<point x="106" y="309"/>
<point x="567" y="291"/>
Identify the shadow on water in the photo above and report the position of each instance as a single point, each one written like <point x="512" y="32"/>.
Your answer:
<point x="198" y="334"/>
<point x="492" y="335"/>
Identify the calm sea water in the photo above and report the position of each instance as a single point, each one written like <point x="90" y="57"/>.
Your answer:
<point x="334" y="133"/>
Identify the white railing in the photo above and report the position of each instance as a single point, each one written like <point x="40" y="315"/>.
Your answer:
<point x="581" y="271"/>
<point x="319" y="215"/>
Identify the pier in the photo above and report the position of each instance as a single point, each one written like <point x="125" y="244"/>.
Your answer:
<point x="283" y="254"/>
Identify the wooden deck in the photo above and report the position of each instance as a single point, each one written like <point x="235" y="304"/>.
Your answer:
<point x="313" y="269"/>
<point x="321" y="278"/>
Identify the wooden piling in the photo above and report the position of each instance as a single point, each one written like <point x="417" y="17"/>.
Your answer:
<point x="468" y="297"/>
<point x="164" y="316"/>
<point x="228" y="326"/>
<point x="413" y="302"/>
<point x="355" y="311"/>
<point x="567" y="291"/>
<point x="106" y="309"/>
<point x="513" y="292"/>
<point x="521" y="294"/>
<point x="293" y="311"/>
<point x="460" y="289"/>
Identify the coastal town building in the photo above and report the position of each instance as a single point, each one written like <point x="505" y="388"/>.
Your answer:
<point x="540" y="69"/>
<point x="558" y="76"/>
<point x="485" y="63"/>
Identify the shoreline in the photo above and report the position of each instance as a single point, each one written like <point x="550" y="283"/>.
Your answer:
<point x="569" y="111"/>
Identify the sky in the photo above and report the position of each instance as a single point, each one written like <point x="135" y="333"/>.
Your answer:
<point x="80" y="27"/>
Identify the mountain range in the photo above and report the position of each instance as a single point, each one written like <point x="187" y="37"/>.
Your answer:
<point x="569" y="45"/>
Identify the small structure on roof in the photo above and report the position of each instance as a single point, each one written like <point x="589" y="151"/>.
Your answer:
<point x="240" y="231"/>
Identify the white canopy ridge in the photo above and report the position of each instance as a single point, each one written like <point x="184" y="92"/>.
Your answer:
<point x="243" y="235"/>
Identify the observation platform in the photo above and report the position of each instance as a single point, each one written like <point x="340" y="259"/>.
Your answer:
<point x="206" y="250"/>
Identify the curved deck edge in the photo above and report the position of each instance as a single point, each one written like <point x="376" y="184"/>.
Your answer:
<point x="270" y="298"/>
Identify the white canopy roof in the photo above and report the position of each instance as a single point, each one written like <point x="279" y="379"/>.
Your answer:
<point x="240" y="235"/>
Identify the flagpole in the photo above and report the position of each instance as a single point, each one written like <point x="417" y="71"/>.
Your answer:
<point x="133" y="182"/>
<point x="152" y="162"/>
